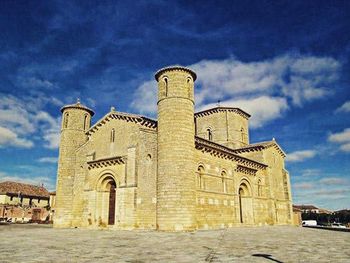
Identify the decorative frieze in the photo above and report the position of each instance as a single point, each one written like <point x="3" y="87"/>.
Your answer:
<point x="106" y="162"/>
<point x="246" y="170"/>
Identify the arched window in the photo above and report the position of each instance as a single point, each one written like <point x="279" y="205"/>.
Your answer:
<point x="166" y="86"/>
<point x="85" y="122"/>
<point x="65" y="120"/>
<point x="223" y="181"/>
<point x="200" y="171"/>
<point x="112" y="135"/>
<point x="189" y="84"/>
<point x="209" y="134"/>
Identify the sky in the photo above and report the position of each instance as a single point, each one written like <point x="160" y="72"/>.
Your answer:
<point x="284" y="62"/>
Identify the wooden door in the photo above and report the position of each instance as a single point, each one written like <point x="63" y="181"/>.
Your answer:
<point x="111" y="211"/>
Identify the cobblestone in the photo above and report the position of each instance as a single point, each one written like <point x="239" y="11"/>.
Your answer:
<point x="39" y="243"/>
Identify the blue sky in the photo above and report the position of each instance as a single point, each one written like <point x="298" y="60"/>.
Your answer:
<point x="285" y="62"/>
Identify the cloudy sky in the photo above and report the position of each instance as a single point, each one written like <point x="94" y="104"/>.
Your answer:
<point x="284" y="62"/>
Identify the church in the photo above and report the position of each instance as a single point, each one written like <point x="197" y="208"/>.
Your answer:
<point x="184" y="171"/>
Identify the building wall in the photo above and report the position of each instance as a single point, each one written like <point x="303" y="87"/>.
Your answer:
<point x="278" y="181"/>
<point x="227" y="127"/>
<point x="15" y="200"/>
<point x="217" y="208"/>
<point x="135" y="179"/>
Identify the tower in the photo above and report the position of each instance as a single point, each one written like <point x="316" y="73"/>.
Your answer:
<point x="176" y="196"/>
<point x="76" y="120"/>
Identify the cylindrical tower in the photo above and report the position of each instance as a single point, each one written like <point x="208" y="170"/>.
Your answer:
<point x="76" y="120"/>
<point x="176" y="196"/>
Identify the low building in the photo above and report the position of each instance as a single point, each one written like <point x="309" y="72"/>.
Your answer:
<point x="297" y="216"/>
<point x="307" y="208"/>
<point x="23" y="202"/>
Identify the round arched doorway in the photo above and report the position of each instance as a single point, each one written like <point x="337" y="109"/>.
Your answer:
<point x="245" y="202"/>
<point x="106" y="200"/>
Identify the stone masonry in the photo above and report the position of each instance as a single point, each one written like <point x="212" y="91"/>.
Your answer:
<point x="183" y="172"/>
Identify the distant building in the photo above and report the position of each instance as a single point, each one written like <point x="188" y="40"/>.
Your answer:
<point x="23" y="202"/>
<point x="297" y="220"/>
<point x="311" y="209"/>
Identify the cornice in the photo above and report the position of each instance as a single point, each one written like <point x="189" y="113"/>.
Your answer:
<point x="78" y="106"/>
<point x="175" y="67"/>
<point x="261" y="146"/>
<point x="222" y="109"/>
<point x="226" y="153"/>
<point x="144" y="121"/>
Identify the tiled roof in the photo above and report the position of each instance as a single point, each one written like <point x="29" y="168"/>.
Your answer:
<point x="260" y="146"/>
<point x="305" y="207"/>
<point x="15" y="188"/>
<point x="221" y="109"/>
<point x="78" y="105"/>
<point x="128" y="117"/>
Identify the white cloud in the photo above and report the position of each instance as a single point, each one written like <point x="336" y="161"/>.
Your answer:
<point x="300" y="78"/>
<point x="345" y="147"/>
<point x="333" y="181"/>
<point x="145" y="98"/>
<point x="299" y="156"/>
<point x="21" y="120"/>
<point x="289" y="79"/>
<point x="303" y="186"/>
<point x="342" y="138"/>
<point x="8" y="138"/>
<point x="52" y="140"/>
<point x="47" y="160"/>
<point x="344" y="108"/>
<point x="310" y="172"/>
<point x="263" y="109"/>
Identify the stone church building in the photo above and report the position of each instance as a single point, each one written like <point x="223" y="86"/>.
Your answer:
<point x="185" y="171"/>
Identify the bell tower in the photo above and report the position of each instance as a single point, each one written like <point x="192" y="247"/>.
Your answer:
<point x="76" y="120"/>
<point x="176" y="196"/>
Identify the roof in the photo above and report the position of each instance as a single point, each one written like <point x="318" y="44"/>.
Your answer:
<point x="175" y="67"/>
<point x="15" y="188"/>
<point x="142" y="120"/>
<point x="223" y="151"/>
<point x="220" y="109"/>
<point x="78" y="105"/>
<point x="305" y="207"/>
<point x="260" y="146"/>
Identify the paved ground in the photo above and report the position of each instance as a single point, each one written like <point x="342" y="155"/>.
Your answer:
<point x="36" y="243"/>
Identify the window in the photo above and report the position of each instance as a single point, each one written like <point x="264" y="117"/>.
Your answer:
<point x="65" y="120"/>
<point x="38" y="200"/>
<point x="30" y="201"/>
<point x="189" y="80"/>
<point x="209" y="134"/>
<point x="112" y="135"/>
<point x="223" y="181"/>
<point x="11" y="198"/>
<point x="200" y="171"/>
<point x="166" y="86"/>
<point x="85" y="122"/>
<point x="242" y="134"/>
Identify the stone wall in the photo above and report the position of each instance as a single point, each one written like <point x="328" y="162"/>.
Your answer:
<point x="228" y="128"/>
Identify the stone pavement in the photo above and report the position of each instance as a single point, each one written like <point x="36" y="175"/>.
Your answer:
<point x="38" y="243"/>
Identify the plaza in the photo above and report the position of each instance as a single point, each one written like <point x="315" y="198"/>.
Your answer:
<point x="42" y="243"/>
